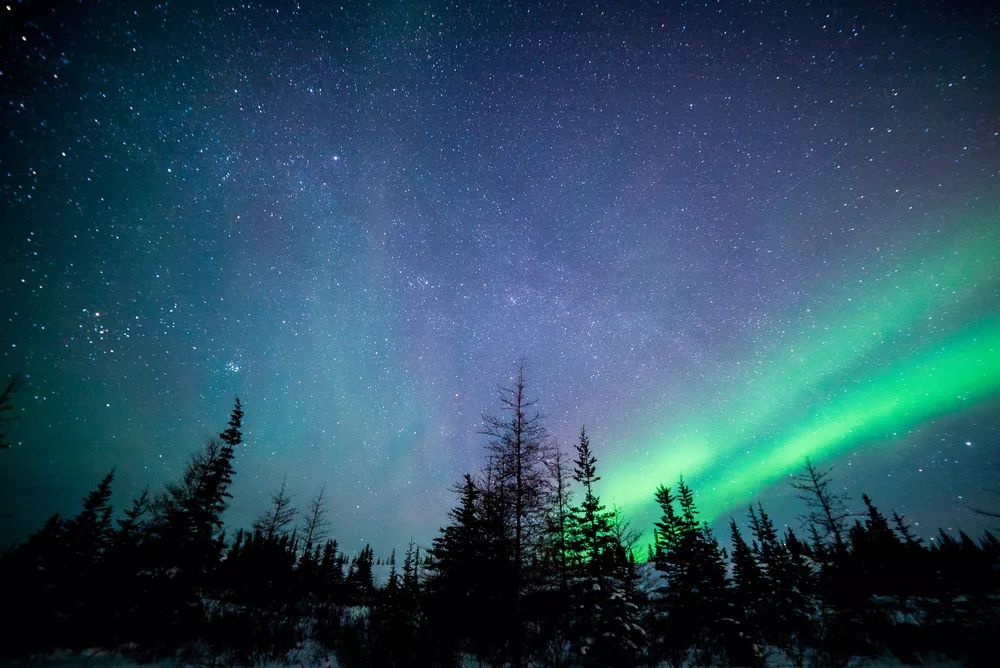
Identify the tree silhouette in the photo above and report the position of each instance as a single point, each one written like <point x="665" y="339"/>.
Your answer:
<point x="275" y="521"/>
<point x="692" y="601"/>
<point x="161" y="580"/>
<point x="518" y="444"/>
<point x="315" y="525"/>
<point x="826" y="512"/>
<point x="605" y="629"/>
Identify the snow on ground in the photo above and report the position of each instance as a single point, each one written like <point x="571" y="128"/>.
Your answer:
<point x="309" y="656"/>
<point x="314" y="656"/>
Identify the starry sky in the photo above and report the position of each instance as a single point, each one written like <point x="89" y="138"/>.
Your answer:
<point x="724" y="235"/>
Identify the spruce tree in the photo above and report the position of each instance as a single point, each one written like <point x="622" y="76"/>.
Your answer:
<point x="125" y="560"/>
<point x="877" y="552"/>
<point x="330" y="574"/>
<point x="396" y="618"/>
<point x="666" y="530"/>
<point x="411" y="569"/>
<point x="360" y="581"/>
<point x="518" y="444"/>
<point x="692" y="599"/>
<point x="185" y="541"/>
<point x="605" y="628"/>
<point x="133" y="525"/>
<point x="590" y="521"/>
<point x="785" y="611"/>
<point x="458" y="575"/>
<point x="89" y="534"/>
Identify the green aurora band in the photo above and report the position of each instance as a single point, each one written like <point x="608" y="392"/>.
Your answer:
<point x="912" y="348"/>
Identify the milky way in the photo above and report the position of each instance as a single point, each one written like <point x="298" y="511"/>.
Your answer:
<point x="725" y="237"/>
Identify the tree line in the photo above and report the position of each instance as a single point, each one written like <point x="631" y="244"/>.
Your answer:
<point x="531" y="568"/>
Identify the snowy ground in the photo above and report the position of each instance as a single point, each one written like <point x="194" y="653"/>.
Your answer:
<point x="310" y="658"/>
<point x="307" y="657"/>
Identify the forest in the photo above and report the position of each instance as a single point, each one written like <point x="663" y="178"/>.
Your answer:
<point x="531" y="568"/>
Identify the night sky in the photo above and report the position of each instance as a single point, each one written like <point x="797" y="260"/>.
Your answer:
<point x="724" y="236"/>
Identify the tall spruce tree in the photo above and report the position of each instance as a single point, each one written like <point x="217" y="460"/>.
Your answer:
<point x="605" y="628"/>
<point x="590" y="520"/>
<point x="184" y="542"/>
<point x="465" y="606"/>
<point x="189" y="515"/>
<point x="86" y="541"/>
<point x="518" y="444"/>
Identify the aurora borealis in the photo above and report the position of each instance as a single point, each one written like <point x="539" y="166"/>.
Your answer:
<point x="883" y="366"/>
<point x="725" y="237"/>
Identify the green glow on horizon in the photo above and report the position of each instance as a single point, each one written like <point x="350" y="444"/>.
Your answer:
<point x="942" y="380"/>
<point x="898" y="350"/>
